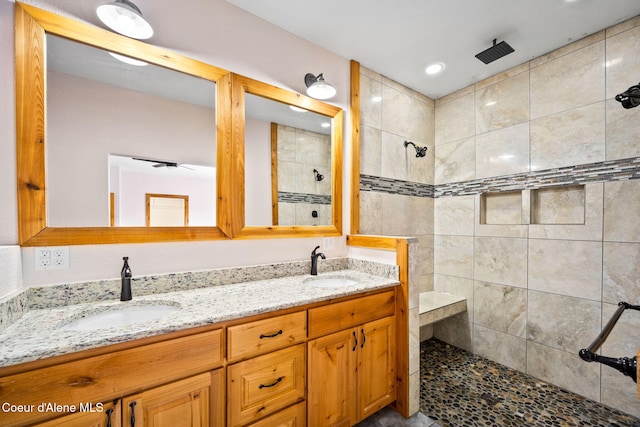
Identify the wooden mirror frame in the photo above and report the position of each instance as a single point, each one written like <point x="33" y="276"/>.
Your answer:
<point x="31" y="26"/>
<point x="240" y="86"/>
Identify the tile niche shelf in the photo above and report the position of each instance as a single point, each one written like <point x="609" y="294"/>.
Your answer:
<point x="501" y="208"/>
<point x="558" y="205"/>
<point x="436" y="306"/>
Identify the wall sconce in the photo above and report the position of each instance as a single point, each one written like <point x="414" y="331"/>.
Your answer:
<point x="420" y="151"/>
<point x="125" y="18"/>
<point x="319" y="177"/>
<point x="317" y="87"/>
<point x="630" y="98"/>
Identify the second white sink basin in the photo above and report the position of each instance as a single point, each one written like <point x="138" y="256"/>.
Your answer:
<point x="118" y="317"/>
<point x="330" y="282"/>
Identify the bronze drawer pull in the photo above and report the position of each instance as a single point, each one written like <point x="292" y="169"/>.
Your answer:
<point x="355" y="337"/>
<point x="272" y="335"/>
<point x="363" y="338"/>
<point x="109" y="412"/>
<point x="261" y="386"/>
<point x="132" y="421"/>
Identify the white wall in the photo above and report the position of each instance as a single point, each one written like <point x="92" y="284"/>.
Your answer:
<point x="212" y="31"/>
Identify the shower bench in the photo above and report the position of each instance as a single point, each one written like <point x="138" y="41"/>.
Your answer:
<point x="436" y="306"/>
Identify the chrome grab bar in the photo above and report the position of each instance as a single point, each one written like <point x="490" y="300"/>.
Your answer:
<point x="626" y="365"/>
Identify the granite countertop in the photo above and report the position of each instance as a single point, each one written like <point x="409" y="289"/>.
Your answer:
<point x="39" y="333"/>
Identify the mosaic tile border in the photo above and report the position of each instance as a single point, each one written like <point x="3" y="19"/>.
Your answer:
<point x="316" y="199"/>
<point x="395" y="186"/>
<point x="609" y="170"/>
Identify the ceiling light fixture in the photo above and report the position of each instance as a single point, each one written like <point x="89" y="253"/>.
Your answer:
<point x="128" y="60"/>
<point x="317" y="87"/>
<point x="435" y="68"/>
<point x="297" y="109"/>
<point x="125" y="18"/>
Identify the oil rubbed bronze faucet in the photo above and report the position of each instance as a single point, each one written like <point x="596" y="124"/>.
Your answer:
<point x="125" y="292"/>
<point x="314" y="260"/>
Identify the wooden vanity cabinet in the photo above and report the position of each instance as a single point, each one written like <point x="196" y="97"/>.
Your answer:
<point x="351" y="372"/>
<point x="109" y="376"/>
<point x="272" y="371"/>
<point x="106" y="415"/>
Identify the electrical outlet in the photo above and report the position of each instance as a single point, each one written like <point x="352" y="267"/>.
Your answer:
<point x="328" y="243"/>
<point x="53" y="258"/>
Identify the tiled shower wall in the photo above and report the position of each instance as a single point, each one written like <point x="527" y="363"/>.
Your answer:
<point x="540" y="289"/>
<point x="539" y="286"/>
<point x="396" y="195"/>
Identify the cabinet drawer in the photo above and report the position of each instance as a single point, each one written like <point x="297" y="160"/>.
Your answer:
<point x="342" y="315"/>
<point x="109" y="376"/>
<point x="294" y="416"/>
<point x="265" y="384"/>
<point x="261" y="336"/>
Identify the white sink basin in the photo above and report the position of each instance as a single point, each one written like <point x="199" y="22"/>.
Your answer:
<point x="330" y="282"/>
<point x="118" y="317"/>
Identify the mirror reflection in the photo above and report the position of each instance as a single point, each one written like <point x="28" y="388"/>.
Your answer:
<point x="287" y="164"/>
<point x="118" y="132"/>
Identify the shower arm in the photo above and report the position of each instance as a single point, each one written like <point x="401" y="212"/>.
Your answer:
<point x="625" y="365"/>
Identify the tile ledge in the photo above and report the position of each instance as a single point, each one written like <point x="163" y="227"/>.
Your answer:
<point x="436" y="306"/>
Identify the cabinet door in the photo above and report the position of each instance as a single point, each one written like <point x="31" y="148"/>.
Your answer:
<point x="376" y="366"/>
<point x="332" y="383"/>
<point x="98" y="415"/>
<point x="183" y="403"/>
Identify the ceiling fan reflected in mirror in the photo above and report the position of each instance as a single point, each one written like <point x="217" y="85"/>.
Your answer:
<point x="162" y="163"/>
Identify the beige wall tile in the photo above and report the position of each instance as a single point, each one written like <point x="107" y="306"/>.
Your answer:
<point x="405" y="115"/>
<point x="621" y="273"/>
<point x="623" y="61"/>
<point x="455" y="332"/>
<point x="370" y="102"/>
<point x="572" y="137"/>
<point x="455" y="120"/>
<point x="619" y="391"/>
<point x="572" y="268"/>
<point x="503" y="348"/>
<point x="370" y="151"/>
<point x="455" y="161"/>
<point x="501" y="260"/>
<point x="500" y="308"/>
<point x="503" y="230"/>
<point x="370" y="209"/>
<point x="457" y="286"/>
<point x="590" y="230"/>
<point x="395" y="157"/>
<point x="564" y="323"/>
<point x="564" y="369"/>
<point x="568" y="82"/>
<point x="421" y="212"/>
<point x="503" y="152"/>
<point x="501" y="208"/>
<point x="621" y="203"/>
<point x="559" y="205"/>
<point x="623" y="130"/>
<point x="453" y="256"/>
<point x="396" y="219"/>
<point x="454" y="215"/>
<point x="503" y="104"/>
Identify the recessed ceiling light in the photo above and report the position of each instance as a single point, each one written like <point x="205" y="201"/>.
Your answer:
<point x="435" y="68"/>
<point x="297" y="109"/>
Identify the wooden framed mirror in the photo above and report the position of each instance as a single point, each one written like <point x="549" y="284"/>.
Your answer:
<point x="56" y="206"/>
<point x="287" y="141"/>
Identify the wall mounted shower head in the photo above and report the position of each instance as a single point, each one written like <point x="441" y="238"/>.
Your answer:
<point x="420" y="151"/>
<point x="319" y="177"/>
<point x="630" y="98"/>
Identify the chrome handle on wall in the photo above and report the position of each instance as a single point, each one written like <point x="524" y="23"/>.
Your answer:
<point x="628" y="366"/>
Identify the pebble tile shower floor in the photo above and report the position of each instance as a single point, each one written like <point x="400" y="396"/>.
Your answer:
<point x="460" y="389"/>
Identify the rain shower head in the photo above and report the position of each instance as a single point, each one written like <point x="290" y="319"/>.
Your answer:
<point x="630" y="98"/>
<point x="496" y="51"/>
<point x="420" y="151"/>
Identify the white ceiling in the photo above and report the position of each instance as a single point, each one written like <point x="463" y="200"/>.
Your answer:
<point x="400" y="38"/>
